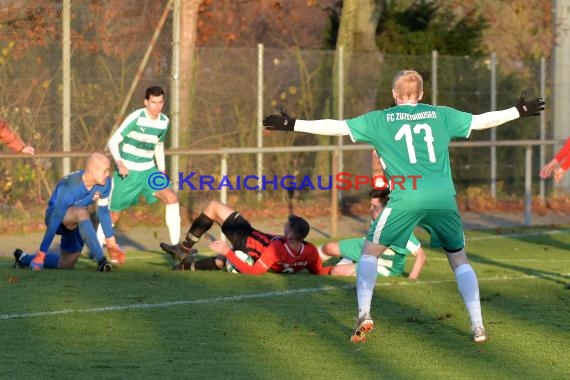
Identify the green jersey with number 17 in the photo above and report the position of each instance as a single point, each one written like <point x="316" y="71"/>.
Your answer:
<point x="412" y="142"/>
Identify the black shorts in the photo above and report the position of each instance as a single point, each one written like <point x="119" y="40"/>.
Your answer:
<point x="243" y="236"/>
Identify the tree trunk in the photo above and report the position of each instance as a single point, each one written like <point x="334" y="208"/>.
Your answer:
<point x="357" y="34"/>
<point x="357" y="29"/>
<point x="188" y="34"/>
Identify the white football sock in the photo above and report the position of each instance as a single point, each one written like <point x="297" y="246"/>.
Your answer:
<point x="365" y="282"/>
<point x="469" y="289"/>
<point x="172" y="217"/>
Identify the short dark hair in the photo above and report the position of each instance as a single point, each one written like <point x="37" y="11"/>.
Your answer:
<point x="153" y="91"/>
<point x="382" y="194"/>
<point x="299" y="226"/>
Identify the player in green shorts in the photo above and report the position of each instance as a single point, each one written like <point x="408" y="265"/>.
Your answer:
<point x="137" y="147"/>
<point x="412" y="140"/>
<point x="392" y="261"/>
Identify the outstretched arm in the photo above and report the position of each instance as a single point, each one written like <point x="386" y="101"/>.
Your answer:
<point x="12" y="140"/>
<point x="564" y="152"/>
<point x="522" y="108"/>
<point x="283" y="122"/>
<point x="559" y="164"/>
<point x="549" y="168"/>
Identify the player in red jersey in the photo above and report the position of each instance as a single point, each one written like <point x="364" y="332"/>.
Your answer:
<point x="285" y="254"/>
<point x="12" y="140"/>
<point x="559" y="164"/>
<point x="234" y="226"/>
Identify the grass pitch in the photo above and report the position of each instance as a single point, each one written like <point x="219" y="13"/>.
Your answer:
<point x="145" y="321"/>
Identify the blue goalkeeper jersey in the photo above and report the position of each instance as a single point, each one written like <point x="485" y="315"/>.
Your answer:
<point x="71" y="192"/>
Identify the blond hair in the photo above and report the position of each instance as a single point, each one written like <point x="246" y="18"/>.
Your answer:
<point x="408" y="84"/>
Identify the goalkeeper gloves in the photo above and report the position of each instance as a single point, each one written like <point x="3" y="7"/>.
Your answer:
<point x="282" y="122"/>
<point x="38" y="262"/>
<point x="116" y="253"/>
<point x="529" y="108"/>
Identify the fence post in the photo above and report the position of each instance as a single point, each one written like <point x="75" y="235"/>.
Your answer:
<point x="434" y="77"/>
<point x="259" y="114"/>
<point x="340" y="115"/>
<point x="542" y="124"/>
<point x="224" y="190"/>
<point x="528" y="186"/>
<point x="175" y="92"/>
<point x="493" y="169"/>
<point x="66" y="69"/>
<point x="224" y="173"/>
<point x="334" y="194"/>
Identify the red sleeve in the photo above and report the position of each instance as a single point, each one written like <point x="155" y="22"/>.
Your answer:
<point x="565" y="164"/>
<point x="261" y="266"/>
<point x="10" y="138"/>
<point x="563" y="152"/>
<point x="315" y="265"/>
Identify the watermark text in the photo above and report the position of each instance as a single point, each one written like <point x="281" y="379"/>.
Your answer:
<point x="341" y="181"/>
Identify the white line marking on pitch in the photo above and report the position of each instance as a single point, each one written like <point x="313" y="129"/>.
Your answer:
<point x="237" y="298"/>
<point x="524" y="234"/>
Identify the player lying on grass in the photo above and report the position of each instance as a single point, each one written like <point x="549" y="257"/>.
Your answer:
<point x="282" y="254"/>
<point x="12" y="140"/>
<point x="390" y="263"/>
<point x="413" y="139"/>
<point x="67" y="215"/>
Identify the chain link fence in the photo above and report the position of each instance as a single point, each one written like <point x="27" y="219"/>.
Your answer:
<point x="109" y="40"/>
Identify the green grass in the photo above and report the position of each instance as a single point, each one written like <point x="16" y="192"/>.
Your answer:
<point x="145" y="321"/>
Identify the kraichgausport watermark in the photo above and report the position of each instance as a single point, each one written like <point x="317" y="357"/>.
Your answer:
<point x="341" y="181"/>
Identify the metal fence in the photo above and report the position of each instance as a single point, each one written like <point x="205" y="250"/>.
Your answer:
<point x="65" y="110"/>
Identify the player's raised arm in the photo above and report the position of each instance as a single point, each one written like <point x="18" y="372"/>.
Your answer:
<point x="284" y="122"/>
<point x="522" y="108"/>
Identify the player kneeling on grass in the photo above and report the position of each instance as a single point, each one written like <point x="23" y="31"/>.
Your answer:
<point x="390" y="263"/>
<point x="281" y="254"/>
<point x="67" y="215"/>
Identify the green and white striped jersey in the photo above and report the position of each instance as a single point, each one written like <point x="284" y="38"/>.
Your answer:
<point x="139" y="136"/>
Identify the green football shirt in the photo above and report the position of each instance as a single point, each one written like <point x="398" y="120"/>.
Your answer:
<point x="140" y="135"/>
<point x="412" y="142"/>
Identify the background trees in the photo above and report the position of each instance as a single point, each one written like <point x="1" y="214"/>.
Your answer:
<point x="218" y="65"/>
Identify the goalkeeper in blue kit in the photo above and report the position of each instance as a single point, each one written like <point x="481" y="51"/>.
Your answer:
<point x="412" y="140"/>
<point x="67" y="215"/>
